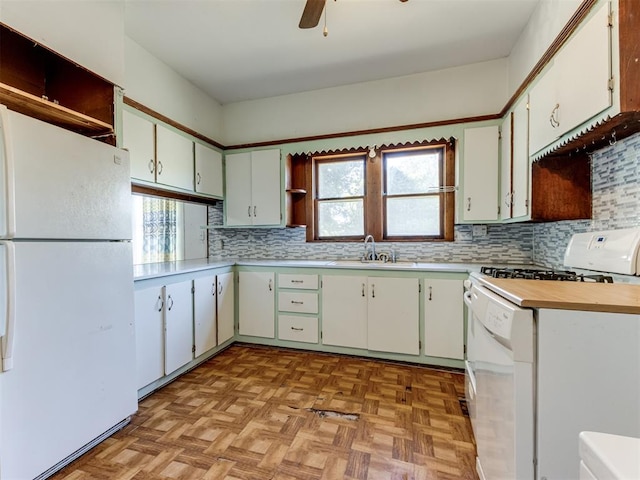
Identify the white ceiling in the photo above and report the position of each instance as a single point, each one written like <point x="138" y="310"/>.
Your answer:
<point x="237" y="50"/>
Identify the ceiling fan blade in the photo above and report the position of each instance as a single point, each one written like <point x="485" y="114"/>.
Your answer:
<point x="311" y="13"/>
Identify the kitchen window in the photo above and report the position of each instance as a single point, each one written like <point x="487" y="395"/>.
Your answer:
<point x="398" y="194"/>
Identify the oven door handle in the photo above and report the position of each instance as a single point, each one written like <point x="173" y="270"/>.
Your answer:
<point x="467" y="298"/>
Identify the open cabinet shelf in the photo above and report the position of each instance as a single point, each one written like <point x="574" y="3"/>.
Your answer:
<point x="297" y="179"/>
<point x="38" y="82"/>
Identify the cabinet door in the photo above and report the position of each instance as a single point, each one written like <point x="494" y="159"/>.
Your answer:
<point x="257" y="304"/>
<point x="480" y="177"/>
<point x="204" y="314"/>
<point x="584" y="71"/>
<point x="174" y="159"/>
<point x="149" y="308"/>
<point x="238" y="189"/>
<point x="393" y="315"/>
<point x="506" y="166"/>
<point x="443" y="318"/>
<point x="178" y="326"/>
<point x="265" y="187"/>
<point x="138" y="138"/>
<point x="208" y="170"/>
<point x="520" y="159"/>
<point x="225" y="306"/>
<point x="544" y="111"/>
<point x="344" y="311"/>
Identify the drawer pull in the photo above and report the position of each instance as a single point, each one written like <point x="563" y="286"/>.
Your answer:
<point x="297" y="329"/>
<point x="297" y="281"/>
<point x="297" y="303"/>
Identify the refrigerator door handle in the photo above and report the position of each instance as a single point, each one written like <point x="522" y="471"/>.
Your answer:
<point x="7" y="191"/>
<point x="7" y="302"/>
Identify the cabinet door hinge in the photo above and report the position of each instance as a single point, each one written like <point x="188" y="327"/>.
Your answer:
<point x="193" y="349"/>
<point x="498" y="209"/>
<point x="419" y="288"/>
<point x="320" y="334"/>
<point x="611" y="84"/>
<point x="320" y="283"/>
<point x="193" y="289"/>
<point x="419" y="344"/>
<point x="610" y="20"/>
<point x="464" y="350"/>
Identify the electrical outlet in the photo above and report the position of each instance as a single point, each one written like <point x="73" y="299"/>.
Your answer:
<point x="479" y="231"/>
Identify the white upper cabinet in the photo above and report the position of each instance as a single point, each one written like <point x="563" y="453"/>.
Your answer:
<point x="506" y="165"/>
<point x="174" y="159"/>
<point x="520" y="181"/>
<point x="480" y="174"/>
<point x="138" y="138"/>
<point x="514" y="164"/>
<point x="208" y="171"/>
<point x="584" y="70"/>
<point x="253" y="192"/>
<point x="575" y="87"/>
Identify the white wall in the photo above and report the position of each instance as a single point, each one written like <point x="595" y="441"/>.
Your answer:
<point x="155" y="85"/>
<point x="466" y="91"/>
<point x="88" y="33"/>
<point x="546" y="22"/>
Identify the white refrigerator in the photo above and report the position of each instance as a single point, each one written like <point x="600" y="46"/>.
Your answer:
<point x="66" y="295"/>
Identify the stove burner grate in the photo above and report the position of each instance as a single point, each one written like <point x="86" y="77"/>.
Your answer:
<point x="544" y="274"/>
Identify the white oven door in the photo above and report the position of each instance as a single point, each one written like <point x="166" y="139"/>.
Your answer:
<point x="503" y="410"/>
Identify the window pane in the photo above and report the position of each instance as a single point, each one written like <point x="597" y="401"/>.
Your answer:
<point x="341" y="179"/>
<point x="340" y="218"/>
<point x="412" y="173"/>
<point x="413" y="216"/>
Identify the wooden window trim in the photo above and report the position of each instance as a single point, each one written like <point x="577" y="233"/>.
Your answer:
<point x="375" y="205"/>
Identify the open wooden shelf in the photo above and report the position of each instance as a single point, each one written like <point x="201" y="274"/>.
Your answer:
<point x="42" y="109"/>
<point x="41" y="83"/>
<point x="297" y="169"/>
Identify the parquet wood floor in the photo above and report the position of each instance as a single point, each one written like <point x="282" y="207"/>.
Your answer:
<point x="258" y="413"/>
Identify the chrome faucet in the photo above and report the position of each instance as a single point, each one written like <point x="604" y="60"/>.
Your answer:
<point x="373" y="248"/>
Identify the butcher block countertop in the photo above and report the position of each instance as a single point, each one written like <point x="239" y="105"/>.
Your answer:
<point x="595" y="297"/>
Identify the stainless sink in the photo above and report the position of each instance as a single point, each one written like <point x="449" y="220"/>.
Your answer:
<point x="361" y="264"/>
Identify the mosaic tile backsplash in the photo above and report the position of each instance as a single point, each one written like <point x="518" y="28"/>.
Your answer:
<point x="616" y="204"/>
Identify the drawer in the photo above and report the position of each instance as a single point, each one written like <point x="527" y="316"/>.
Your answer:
<point x="298" y="329"/>
<point x="294" y="280"/>
<point x="298" y="302"/>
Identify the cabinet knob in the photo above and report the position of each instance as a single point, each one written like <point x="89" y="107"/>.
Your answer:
<point x="363" y="289"/>
<point x="151" y="166"/>
<point x="430" y="293"/>
<point x="159" y="167"/>
<point x="373" y="290"/>
<point x="249" y="211"/>
<point x="468" y="204"/>
<point x="198" y="178"/>
<point x="270" y="285"/>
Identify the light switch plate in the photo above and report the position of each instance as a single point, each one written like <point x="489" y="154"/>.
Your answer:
<point x="479" y="231"/>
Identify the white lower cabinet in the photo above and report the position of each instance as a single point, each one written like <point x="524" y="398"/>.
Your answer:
<point x="393" y="315"/>
<point x="149" y="312"/>
<point x="344" y="311"/>
<point x="204" y="314"/>
<point x="178" y="326"/>
<point x="180" y="321"/>
<point x="377" y="313"/>
<point x="256" y="304"/>
<point x="225" y="306"/>
<point x="298" y="328"/>
<point x="443" y="318"/>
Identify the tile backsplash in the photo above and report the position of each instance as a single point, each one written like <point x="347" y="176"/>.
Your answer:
<point x="616" y="201"/>
<point x="616" y="204"/>
<point x="502" y="243"/>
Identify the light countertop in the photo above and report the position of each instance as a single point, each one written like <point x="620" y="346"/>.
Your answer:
<point x="595" y="297"/>
<point x="153" y="270"/>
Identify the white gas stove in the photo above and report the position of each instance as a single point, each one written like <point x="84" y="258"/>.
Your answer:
<point x="537" y="377"/>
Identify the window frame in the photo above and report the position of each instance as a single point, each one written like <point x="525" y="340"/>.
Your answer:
<point x="375" y="192"/>
<point x="317" y="162"/>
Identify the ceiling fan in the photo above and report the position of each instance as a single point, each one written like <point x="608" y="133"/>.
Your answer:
<point x="312" y="13"/>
